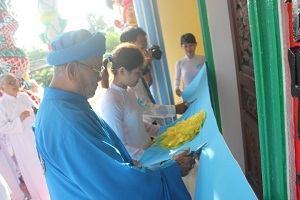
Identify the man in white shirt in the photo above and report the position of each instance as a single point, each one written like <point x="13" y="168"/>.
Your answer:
<point x="152" y="112"/>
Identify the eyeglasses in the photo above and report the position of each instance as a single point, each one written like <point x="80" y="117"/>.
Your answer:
<point x="101" y="72"/>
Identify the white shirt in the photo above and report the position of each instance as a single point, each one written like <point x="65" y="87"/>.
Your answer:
<point x="187" y="68"/>
<point x="152" y="111"/>
<point x="121" y="110"/>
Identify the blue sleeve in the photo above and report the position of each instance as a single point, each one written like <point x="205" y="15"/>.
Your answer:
<point x="87" y="165"/>
<point x="98" y="173"/>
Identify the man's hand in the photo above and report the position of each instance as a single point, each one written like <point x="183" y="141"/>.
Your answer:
<point x="181" y="108"/>
<point x="185" y="163"/>
<point x="148" y="57"/>
<point x="136" y="163"/>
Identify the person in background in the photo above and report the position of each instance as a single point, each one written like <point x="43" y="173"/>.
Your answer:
<point x="152" y="112"/>
<point x="187" y="67"/>
<point x="119" y="106"/>
<point x="16" y="120"/>
<point x="83" y="157"/>
<point x="36" y="88"/>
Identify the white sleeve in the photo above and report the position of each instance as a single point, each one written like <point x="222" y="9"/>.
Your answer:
<point x="9" y="126"/>
<point x="177" y="75"/>
<point x="159" y="111"/>
<point x="150" y="109"/>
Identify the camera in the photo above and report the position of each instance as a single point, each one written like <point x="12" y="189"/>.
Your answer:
<point x="156" y="52"/>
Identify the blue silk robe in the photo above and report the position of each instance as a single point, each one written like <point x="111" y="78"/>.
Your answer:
<point x="84" y="159"/>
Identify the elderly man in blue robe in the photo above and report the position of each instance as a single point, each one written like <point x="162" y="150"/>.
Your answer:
<point x="82" y="157"/>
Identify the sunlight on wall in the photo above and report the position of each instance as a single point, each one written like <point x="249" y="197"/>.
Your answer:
<point x="185" y="20"/>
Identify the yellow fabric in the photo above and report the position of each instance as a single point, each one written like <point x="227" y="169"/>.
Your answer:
<point x="181" y="132"/>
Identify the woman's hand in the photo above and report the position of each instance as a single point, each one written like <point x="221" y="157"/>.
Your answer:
<point x="178" y="92"/>
<point x="148" y="57"/>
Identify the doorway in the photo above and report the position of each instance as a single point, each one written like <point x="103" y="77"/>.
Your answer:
<point x="247" y="94"/>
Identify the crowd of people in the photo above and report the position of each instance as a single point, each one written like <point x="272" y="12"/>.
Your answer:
<point x="69" y="150"/>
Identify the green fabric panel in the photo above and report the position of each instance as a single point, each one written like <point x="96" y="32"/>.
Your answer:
<point x="210" y="61"/>
<point x="267" y="58"/>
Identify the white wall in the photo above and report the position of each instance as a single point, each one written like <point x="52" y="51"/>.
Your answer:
<point x="223" y="52"/>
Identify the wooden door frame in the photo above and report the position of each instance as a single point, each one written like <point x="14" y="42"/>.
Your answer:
<point x="247" y="98"/>
<point x="267" y="58"/>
